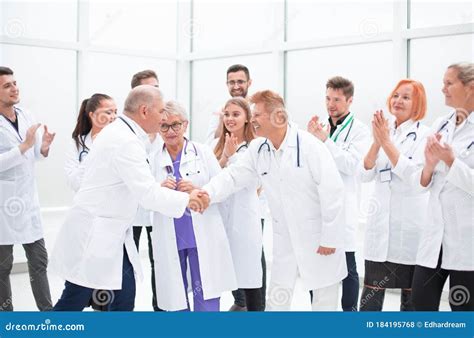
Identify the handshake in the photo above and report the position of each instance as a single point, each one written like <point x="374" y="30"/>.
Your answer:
<point x="198" y="200"/>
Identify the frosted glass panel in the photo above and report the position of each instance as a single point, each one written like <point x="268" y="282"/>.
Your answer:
<point x="228" y="24"/>
<point x="209" y="89"/>
<point x="141" y="25"/>
<point x="426" y="13"/>
<point x="51" y="20"/>
<point x="448" y="49"/>
<point x="111" y="74"/>
<point x="47" y="84"/>
<point x="369" y="67"/>
<point x="326" y="19"/>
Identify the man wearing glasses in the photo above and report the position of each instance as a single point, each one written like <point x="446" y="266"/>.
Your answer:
<point x="238" y="83"/>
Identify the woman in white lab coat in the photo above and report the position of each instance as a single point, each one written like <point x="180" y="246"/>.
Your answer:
<point x="193" y="241"/>
<point x="95" y="113"/>
<point x="447" y="243"/>
<point x="393" y="230"/>
<point x="241" y="211"/>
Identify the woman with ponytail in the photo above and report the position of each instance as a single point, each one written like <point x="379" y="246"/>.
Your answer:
<point x="95" y="113"/>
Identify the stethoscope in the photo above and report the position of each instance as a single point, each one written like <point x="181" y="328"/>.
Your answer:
<point x="445" y="124"/>
<point x="351" y="122"/>
<point x="169" y="168"/>
<point x="243" y="146"/>
<point x="84" y="151"/>
<point x="133" y="131"/>
<point x="267" y="145"/>
<point x="466" y="151"/>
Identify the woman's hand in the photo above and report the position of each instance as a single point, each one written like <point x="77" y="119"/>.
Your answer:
<point x="380" y="129"/>
<point x="169" y="183"/>
<point x="186" y="186"/>
<point x="443" y="152"/>
<point x="230" y="145"/>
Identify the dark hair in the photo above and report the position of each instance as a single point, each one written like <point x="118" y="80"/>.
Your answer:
<point x="5" y="71"/>
<point x="145" y="74"/>
<point x="248" y="130"/>
<point x="338" y="82"/>
<point x="84" y="123"/>
<point x="237" y="68"/>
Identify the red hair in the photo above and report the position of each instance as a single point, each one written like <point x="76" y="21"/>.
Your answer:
<point x="418" y="98"/>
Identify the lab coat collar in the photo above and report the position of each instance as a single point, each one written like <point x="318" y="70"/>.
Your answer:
<point x="470" y="118"/>
<point x="188" y="153"/>
<point x="291" y="133"/>
<point x="142" y="135"/>
<point x="286" y="141"/>
<point x="5" y="122"/>
<point x="404" y="128"/>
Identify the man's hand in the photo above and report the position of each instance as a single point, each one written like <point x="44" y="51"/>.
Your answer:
<point x="325" y="251"/>
<point x="46" y="142"/>
<point x="317" y="129"/>
<point x="30" y="138"/>
<point x="198" y="200"/>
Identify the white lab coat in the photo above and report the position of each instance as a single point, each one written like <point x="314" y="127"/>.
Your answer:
<point x="75" y="162"/>
<point x="451" y="220"/>
<point x="306" y="202"/>
<point x="215" y="260"/>
<point x="241" y="213"/>
<point x="20" y="221"/>
<point x="397" y="208"/>
<point x="348" y="150"/>
<point x="145" y="217"/>
<point x="89" y="247"/>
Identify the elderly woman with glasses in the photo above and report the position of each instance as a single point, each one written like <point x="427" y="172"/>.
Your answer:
<point x="195" y="241"/>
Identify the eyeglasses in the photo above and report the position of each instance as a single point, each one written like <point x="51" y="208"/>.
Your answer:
<point x="175" y="126"/>
<point x="238" y="82"/>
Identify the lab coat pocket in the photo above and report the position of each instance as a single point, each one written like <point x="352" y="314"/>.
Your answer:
<point x="107" y="238"/>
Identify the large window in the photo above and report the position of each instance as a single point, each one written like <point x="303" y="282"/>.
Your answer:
<point x="63" y="51"/>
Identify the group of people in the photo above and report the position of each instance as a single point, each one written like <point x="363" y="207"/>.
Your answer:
<point x="203" y="205"/>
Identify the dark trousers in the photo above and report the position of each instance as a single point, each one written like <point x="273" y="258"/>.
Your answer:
<point x="240" y="295"/>
<point x="76" y="297"/>
<point x="350" y="284"/>
<point x="37" y="259"/>
<point x="428" y="286"/>
<point x="137" y="231"/>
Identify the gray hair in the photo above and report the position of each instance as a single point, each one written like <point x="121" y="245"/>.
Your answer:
<point x="465" y="71"/>
<point x="142" y="96"/>
<point x="174" y="108"/>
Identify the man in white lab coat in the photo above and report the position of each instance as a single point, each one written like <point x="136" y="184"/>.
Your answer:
<point x="305" y="194"/>
<point x="95" y="249"/>
<point x="348" y="139"/>
<point x="20" y="221"/>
